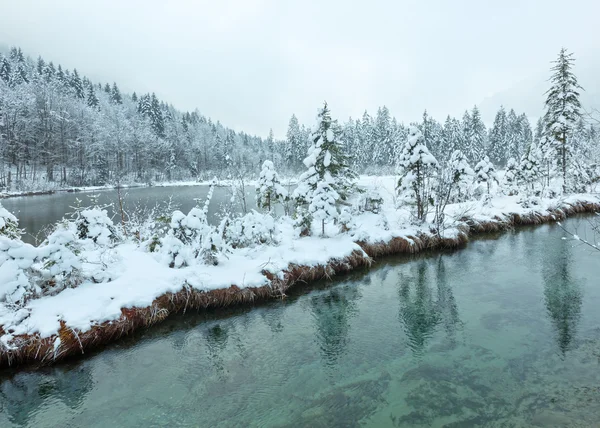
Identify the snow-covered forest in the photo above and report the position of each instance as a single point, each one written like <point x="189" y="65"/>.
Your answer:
<point x="59" y="129"/>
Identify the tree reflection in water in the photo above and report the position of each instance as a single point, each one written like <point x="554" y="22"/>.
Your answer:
<point x="563" y="294"/>
<point x="25" y="393"/>
<point x="420" y="313"/>
<point x="332" y="311"/>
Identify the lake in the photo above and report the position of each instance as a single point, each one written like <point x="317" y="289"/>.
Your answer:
<point x="35" y="213"/>
<point x="503" y="333"/>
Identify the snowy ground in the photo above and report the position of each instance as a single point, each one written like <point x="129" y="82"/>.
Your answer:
<point x="139" y="277"/>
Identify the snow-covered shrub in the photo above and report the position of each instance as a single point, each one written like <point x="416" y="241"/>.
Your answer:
<point x="346" y="220"/>
<point x="485" y="173"/>
<point x="94" y="227"/>
<point x="509" y="182"/>
<point x="61" y="260"/>
<point x="16" y="275"/>
<point x="460" y="176"/>
<point x="191" y="239"/>
<point x="269" y="189"/>
<point x="417" y="168"/>
<point x="252" y="229"/>
<point x="322" y="206"/>
<point x="9" y="225"/>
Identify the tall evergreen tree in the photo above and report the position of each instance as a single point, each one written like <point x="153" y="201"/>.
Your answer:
<point x="563" y="109"/>
<point x="497" y="148"/>
<point x="326" y="161"/>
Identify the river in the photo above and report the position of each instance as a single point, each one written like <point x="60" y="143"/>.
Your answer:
<point x="502" y="333"/>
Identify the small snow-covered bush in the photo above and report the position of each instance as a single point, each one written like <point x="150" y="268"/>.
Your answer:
<point x="95" y="227"/>
<point x="9" y="225"/>
<point x="346" y="220"/>
<point x="252" y="229"/>
<point x="16" y="261"/>
<point x="61" y="258"/>
<point x="191" y="239"/>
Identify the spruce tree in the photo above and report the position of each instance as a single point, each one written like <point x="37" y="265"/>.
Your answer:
<point x="92" y="99"/>
<point x="563" y="109"/>
<point x="5" y="70"/>
<point x="115" y="95"/>
<point x="529" y="168"/>
<point x="293" y="146"/>
<point x="497" y="139"/>
<point x="485" y="173"/>
<point x="416" y="167"/>
<point x="326" y="161"/>
<point x="77" y="85"/>
<point x="269" y="189"/>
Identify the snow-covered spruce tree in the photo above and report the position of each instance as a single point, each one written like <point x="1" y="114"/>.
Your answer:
<point x="322" y="205"/>
<point x="562" y="109"/>
<point x="485" y="173"/>
<point x="460" y="175"/>
<point x="416" y="167"/>
<point x="497" y="139"/>
<point x="61" y="259"/>
<point x="529" y="168"/>
<point x="509" y="182"/>
<point x="269" y="189"/>
<point x="326" y="161"/>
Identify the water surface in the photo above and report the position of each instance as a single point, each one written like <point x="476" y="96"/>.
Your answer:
<point x="36" y="213"/>
<point x="505" y="333"/>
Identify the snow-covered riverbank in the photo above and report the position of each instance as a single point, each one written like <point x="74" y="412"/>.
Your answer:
<point x="126" y="286"/>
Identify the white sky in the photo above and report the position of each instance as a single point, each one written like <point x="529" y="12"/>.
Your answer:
<point x="252" y="63"/>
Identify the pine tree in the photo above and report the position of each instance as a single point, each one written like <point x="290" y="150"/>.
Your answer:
<point x="326" y="161"/>
<point x="514" y="136"/>
<point x="562" y="109"/>
<point x="477" y="137"/>
<point x="5" y="70"/>
<point x="77" y="85"/>
<point x="134" y="97"/>
<point x="92" y="99"/>
<point x="269" y="189"/>
<point x="511" y="174"/>
<point x="382" y="148"/>
<point x="322" y="205"/>
<point x="416" y="167"/>
<point x="485" y="173"/>
<point x="293" y="148"/>
<point x="498" y="134"/>
<point x="529" y="167"/>
<point x="461" y="175"/>
<point x="115" y="95"/>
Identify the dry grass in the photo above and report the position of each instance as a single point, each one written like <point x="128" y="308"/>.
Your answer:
<point x="39" y="351"/>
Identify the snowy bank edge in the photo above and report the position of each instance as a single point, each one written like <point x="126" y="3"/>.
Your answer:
<point x="69" y="340"/>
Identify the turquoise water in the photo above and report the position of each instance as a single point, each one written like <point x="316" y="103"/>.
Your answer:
<point x="504" y="333"/>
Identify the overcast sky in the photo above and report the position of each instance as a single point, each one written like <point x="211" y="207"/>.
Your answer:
<point x="252" y="63"/>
